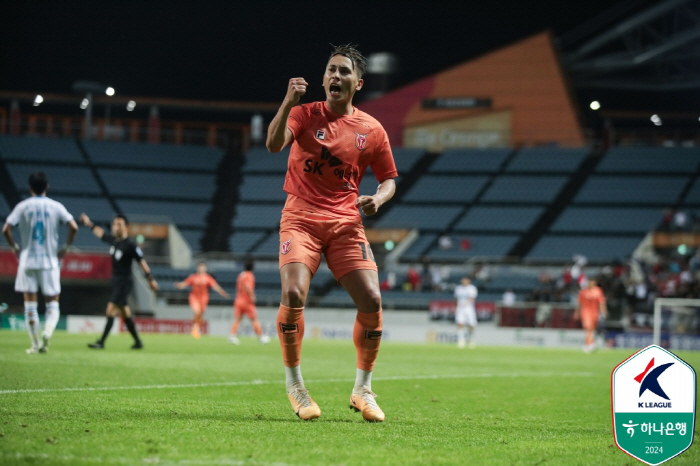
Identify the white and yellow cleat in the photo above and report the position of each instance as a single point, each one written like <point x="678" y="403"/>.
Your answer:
<point x="303" y="405"/>
<point x="363" y="400"/>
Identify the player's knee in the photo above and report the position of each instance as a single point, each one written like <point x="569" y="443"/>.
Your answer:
<point x="295" y="295"/>
<point x="372" y="302"/>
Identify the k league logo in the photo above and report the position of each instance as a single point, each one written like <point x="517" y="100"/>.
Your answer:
<point x="653" y="405"/>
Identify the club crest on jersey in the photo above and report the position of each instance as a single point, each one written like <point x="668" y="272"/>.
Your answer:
<point x="361" y="141"/>
<point x="321" y="134"/>
<point x="286" y="246"/>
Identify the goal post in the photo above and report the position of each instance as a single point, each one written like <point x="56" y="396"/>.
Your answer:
<point x="682" y="318"/>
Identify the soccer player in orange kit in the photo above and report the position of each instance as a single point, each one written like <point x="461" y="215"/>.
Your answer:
<point x="199" y="296"/>
<point x="245" y="305"/>
<point x="591" y="300"/>
<point x="333" y="143"/>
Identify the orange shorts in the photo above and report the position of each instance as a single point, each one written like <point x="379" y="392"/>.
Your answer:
<point x="589" y="320"/>
<point x="245" y="309"/>
<point x="306" y="234"/>
<point x="198" y="303"/>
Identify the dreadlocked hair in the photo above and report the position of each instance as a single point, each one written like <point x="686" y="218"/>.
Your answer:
<point x="359" y="62"/>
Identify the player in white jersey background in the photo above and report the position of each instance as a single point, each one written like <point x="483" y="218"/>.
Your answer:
<point x="465" y="314"/>
<point x="39" y="219"/>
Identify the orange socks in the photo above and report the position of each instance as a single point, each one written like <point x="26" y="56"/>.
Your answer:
<point x="367" y="335"/>
<point x="290" y="329"/>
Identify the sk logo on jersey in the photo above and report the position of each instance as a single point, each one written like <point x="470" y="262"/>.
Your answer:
<point x="321" y="134"/>
<point x="360" y="141"/>
<point x="286" y="246"/>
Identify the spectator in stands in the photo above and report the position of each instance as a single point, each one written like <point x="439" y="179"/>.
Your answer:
<point x="414" y="280"/>
<point x="680" y="221"/>
<point x="508" y="297"/>
<point x="445" y="242"/>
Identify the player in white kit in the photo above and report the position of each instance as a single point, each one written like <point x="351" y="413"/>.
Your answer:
<point x="465" y="314"/>
<point x="39" y="219"/>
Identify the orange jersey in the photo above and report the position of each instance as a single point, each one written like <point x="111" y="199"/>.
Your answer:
<point x="330" y="154"/>
<point x="245" y="280"/>
<point x="200" y="283"/>
<point x="590" y="300"/>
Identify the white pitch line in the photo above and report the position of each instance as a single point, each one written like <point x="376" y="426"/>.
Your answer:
<point x="268" y="382"/>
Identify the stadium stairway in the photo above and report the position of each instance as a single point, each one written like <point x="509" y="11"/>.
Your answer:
<point x="565" y="197"/>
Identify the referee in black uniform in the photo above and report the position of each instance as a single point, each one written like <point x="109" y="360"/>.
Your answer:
<point x="123" y="251"/>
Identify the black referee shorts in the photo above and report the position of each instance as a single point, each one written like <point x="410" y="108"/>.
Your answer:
<point x="120" y="291"/>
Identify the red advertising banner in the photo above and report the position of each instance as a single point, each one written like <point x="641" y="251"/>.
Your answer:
<point x="445" y="309"/>
<point x="165" y="326"/>
<point x="75" y="266"/>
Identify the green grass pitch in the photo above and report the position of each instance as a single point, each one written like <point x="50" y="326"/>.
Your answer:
<point x="182" y="401"/>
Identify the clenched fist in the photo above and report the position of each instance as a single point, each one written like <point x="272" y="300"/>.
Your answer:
<point x="296" y="89"/>
<point x="369" y="204"/>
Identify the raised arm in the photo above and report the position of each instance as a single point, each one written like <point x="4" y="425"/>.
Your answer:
<point x="371" y="204"/>
<point x="96" y="230"/>
<point x="278" y="135"/>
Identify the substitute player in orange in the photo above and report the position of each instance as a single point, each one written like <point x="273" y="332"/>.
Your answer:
<point x="333" y="143"/>
<point x="591" y="301"/>
<point x="199" y="296"/>
<point x="245" y="305"/>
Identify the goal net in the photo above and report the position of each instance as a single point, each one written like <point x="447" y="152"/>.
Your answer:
<point x="677" y="323"/>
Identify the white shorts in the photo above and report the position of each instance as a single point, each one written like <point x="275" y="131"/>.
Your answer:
<point x="466" y="316"/>
<point x="30" y="280"/>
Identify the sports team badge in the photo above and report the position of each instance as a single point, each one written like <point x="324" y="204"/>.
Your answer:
<point x="321" y="134"/>
<point x="653" y="404"/>
<point x="286" y="246"/>
<point x="361" y="141"/>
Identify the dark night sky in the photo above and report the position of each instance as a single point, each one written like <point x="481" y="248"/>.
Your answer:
<point x="248" y="50"/>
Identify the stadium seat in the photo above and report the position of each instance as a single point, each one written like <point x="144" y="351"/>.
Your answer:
<point x="62" y="180"/>
<point x="649" y="160"/>
<point x="417" y="248"/>
<point x="547" y="160"/>
<point x="193" y="238"/>
<point x="241" y="241"/>
<point x="97" y="208"/>
<point x="693" y="196"/>
<point x="35" y="149"/>
<point x="260" y="160"/>
<point x="4" y="208"/>
<point x="524" y="189"/>
<point x="421" y="217"/>
<point x="257" y="216"/>
<point x="608" y="219"/>
<point x="469" y="161"/>
<point x="160" y="156"/>
<point x="405" y="158"/>
<point x="445" y="189"/>
<point x="262" y="188"/>
<point x="492" y="218"/>
<point x="494" y="246"/>
<point x="183" y="214"/>
<point x="159" y="184"/>
<point x="514" y="282"/>
<point x="268" y="248"/>
<point x="593" y="247"/>
<point x="599" y="189"/>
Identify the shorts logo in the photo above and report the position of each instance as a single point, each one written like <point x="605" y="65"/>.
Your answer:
<point x="286" y="329"/>
<point x="321" y="134"/>
<point x="360" y="141"/>
<point x="286" y="246"/>
<point x="373" y="334"/>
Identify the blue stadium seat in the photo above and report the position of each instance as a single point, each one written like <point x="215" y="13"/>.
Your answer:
<point x="159" y="184"/>
<point x="4" y="208"/>
<point x="270" y="247"/>
<point x="593" y="247"/>
<point x="494" y="246"/>
<point x="445" y="189"/>
<point x="262" y="188"/>
<point x="513" y="282"/>
<point x="85" y="240"/>
<point x="97" y="208"/>
<point x="416" y="249"/>
<point x="488" y="218"/>
<point x="547" y="159"/>
<point x="193" y="238"/>
<point x="162" y="156"/>
<point x="73" y="180"/>
<point x="421" y="217"/>
<point x="184" y="214"/>
<point x="257" y="216"/>
<point x="649" y="160"/>
<point x="405" y="158"/>
<point x="520" y="189"/>
<point x="631" y="190"/>
<point x="469" y="161"/>
<point x="590" y="219"/>
<point x="35" y="149"/>
<point x="241" y="241"/>
<point x="693" y="196"/>
<point x="260" y="160"/>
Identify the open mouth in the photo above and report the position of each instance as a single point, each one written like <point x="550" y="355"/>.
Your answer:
<point x="334" y="90"/>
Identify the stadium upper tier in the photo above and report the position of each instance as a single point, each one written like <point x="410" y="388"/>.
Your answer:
<point x="547" y="160"/>
<point x="162" y="156"/>
<point x="34" y="149"/>
<point x="650" y="160"/>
